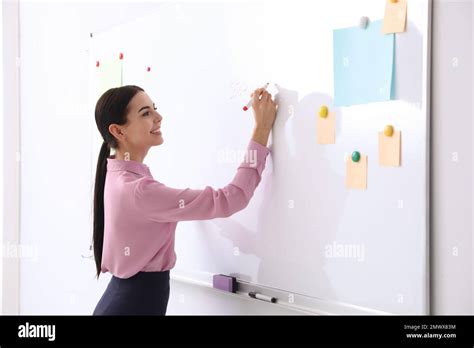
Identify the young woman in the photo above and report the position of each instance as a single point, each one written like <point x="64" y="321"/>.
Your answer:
<point x="135" y="216"/>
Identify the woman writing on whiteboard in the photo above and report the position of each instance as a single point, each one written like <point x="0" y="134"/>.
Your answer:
<point x="135" y="216"/>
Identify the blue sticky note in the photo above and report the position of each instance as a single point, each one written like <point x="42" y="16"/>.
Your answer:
<point x="363" y="65"/>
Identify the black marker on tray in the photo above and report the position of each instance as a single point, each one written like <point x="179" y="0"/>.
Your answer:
<point x="262" y="297"/>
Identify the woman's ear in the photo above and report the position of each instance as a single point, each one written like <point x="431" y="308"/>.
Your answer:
<point x="117" y="131"/>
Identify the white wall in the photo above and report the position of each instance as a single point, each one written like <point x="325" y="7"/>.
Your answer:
<point x="2" y="116"/>
<point x="452" y="183"/>
<point x="56" y="183"/>
<point x="10" y="184"/>
<point x="55" y="175"/>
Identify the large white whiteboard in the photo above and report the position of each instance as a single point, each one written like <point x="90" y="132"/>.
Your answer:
<point x="205" y="59"/>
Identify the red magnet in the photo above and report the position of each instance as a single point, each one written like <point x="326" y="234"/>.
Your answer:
<point x="121" y="56"/>
<point x="97" y="64"/>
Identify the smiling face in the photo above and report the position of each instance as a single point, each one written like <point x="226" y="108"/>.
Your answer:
<point x="143" y="127"/>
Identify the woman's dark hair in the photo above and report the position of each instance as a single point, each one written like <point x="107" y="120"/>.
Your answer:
<point x="111" y="108"/>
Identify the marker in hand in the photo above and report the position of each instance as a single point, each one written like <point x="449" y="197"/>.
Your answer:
<point x="249" y="104"/>
<point x="262" y="297"/>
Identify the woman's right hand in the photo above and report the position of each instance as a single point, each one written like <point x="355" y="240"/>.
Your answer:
<point x="264" y="109"/>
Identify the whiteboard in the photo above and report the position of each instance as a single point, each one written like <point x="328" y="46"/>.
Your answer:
<point x="303" y="232"/>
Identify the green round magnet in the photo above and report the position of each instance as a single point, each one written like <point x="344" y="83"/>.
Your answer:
<point x="356" y="156"/>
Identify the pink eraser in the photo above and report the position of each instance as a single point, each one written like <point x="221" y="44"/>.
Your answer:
<point x="223" y="282"/>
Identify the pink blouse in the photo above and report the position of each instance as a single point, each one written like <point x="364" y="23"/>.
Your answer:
<point x="141" y="213"/>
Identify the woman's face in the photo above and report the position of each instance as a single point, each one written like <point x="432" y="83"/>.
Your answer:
<point x="142" y="129"/>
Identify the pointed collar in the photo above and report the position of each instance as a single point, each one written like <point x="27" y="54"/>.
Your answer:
<point x="130" y="166"/>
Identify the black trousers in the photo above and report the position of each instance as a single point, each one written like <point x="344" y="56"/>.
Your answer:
<point x="145" y="293"/>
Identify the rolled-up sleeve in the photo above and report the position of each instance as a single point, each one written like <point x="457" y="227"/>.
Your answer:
<point x="161" y="203"/>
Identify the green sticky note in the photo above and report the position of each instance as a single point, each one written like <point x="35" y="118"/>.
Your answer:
<point x="110" y="75"/>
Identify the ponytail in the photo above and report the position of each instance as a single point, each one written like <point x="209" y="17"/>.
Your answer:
<point x="111" y="108"/>
<point x="98" y="234"/>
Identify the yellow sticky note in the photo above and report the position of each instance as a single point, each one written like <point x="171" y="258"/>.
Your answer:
<point x="395" y="18"/>
<point x="109" y="75"/>
<point x="326" y="128"/>
<point x="356" y="173"/>
<point x="389" y="149"/>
